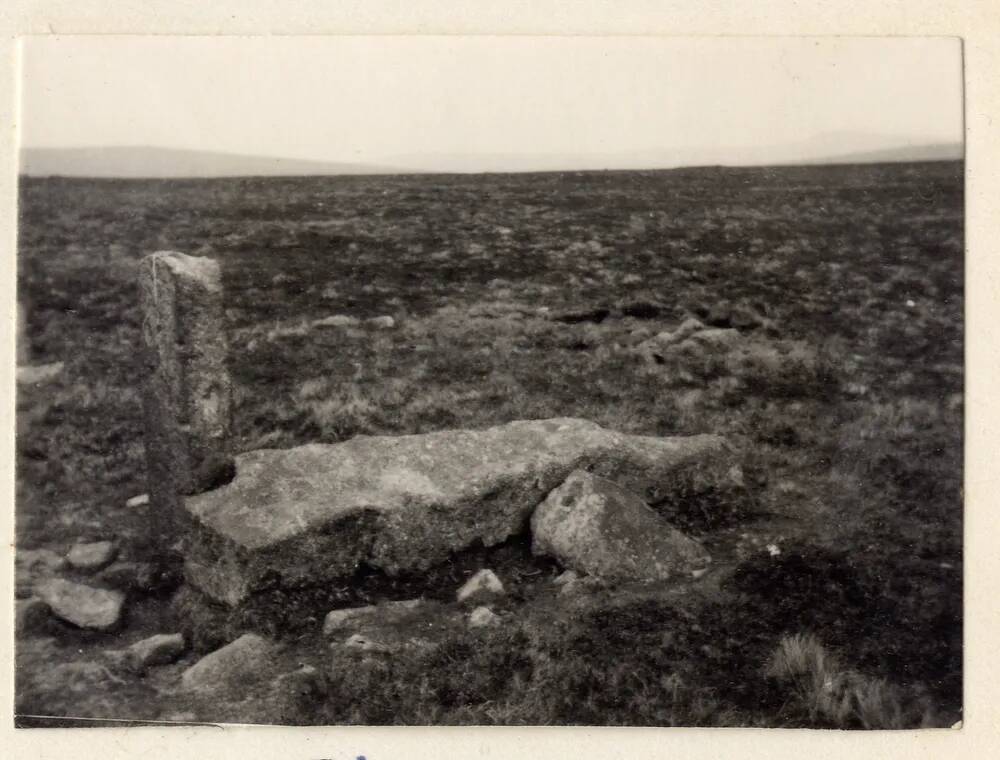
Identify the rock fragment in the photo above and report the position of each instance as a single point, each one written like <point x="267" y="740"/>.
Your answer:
<point x="91" y="556"/>
<point x="482" y="585"/>
<point x="384" y="322"/>
<point x="337" y="320"/>
<point x="161" y="649"/>
<point x="338" y="620"/>
<point x="483" y="617"/>
<point x="81" y="605"/>
<point x="242" y="663"/>
<point x="594" y="526"/>
<point x="38" y="374"/>
<point x="141" y="500"/>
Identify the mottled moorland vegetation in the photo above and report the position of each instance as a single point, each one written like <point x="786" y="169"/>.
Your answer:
<point x="838" y="557"/>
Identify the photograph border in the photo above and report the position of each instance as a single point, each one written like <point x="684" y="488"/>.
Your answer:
<point x="977" y="23"/>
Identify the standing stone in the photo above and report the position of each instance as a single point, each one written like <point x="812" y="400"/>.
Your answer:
<point x="187" y="388"/>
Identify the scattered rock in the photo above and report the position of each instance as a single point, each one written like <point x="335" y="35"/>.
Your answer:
<point x="89" y="557"/>
<point x="84" y="606"/>
<point x="161" y="649"/>
<point x="337" y="620"/>
<point x="141" y="500"/>
<point x="566" y="577"/>
<point x="384" y="322"/>
<point x="483" y="584"/>
<point x="39" y="373"/>
<point x="31" y="616"/>
<point x="483" y="617"/>
<point x="592" y="525"/>
<point x="405" y="503"/>
<point x="337" y="320"/>
<point x="288" y="331"/>
<point x="33" y="566"/>
<point x="395" y="626"/>
<point x="244" y="662"/>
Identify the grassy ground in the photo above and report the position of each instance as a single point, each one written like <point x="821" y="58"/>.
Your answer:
<point x="845" y="401"/>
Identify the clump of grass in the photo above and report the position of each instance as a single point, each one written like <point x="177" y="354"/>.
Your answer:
<point x="827" y="692"/>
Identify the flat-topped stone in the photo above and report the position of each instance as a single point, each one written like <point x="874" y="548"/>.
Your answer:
<point x="311" y="514"/>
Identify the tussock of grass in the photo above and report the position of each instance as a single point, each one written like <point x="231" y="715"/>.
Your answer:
<point x="827" y="692"/>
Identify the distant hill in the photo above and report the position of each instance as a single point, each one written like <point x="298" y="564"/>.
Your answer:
<point x="134" y="162"/>
<point x="824" y="149"/>
<point x="935" y="152"/>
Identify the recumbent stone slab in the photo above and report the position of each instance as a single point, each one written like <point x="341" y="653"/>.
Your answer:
<point x="311" y="514"/>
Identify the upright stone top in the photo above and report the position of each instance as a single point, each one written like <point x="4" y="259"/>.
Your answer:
<point x="187" y="390"/>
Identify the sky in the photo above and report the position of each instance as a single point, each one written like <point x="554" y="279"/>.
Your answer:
<point x="427" y="102"/>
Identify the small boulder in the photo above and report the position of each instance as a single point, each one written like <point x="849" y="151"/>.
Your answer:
<point x="31" y="615"/>
<point x="352" y="617"/>
<point x="244" y="662"/>
<point x="483" y="617"/>
<point x="91" y="556"/>
<point x="384" y="322"/>
<point x="81" y="605"/>
<point x="393" y="627"/>
<point x="594" y="526"/>
<point x="141" y="500"/>
<point x="566" y="577"/>
<point x="483" y="584"/>
<point x="337" y="320"/>
<point x="39" y="373"/>
<point x="161" y="649"/>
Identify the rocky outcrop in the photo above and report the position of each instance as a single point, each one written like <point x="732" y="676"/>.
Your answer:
<point x="592" y="525"/>
<point x="312" y="514"/>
